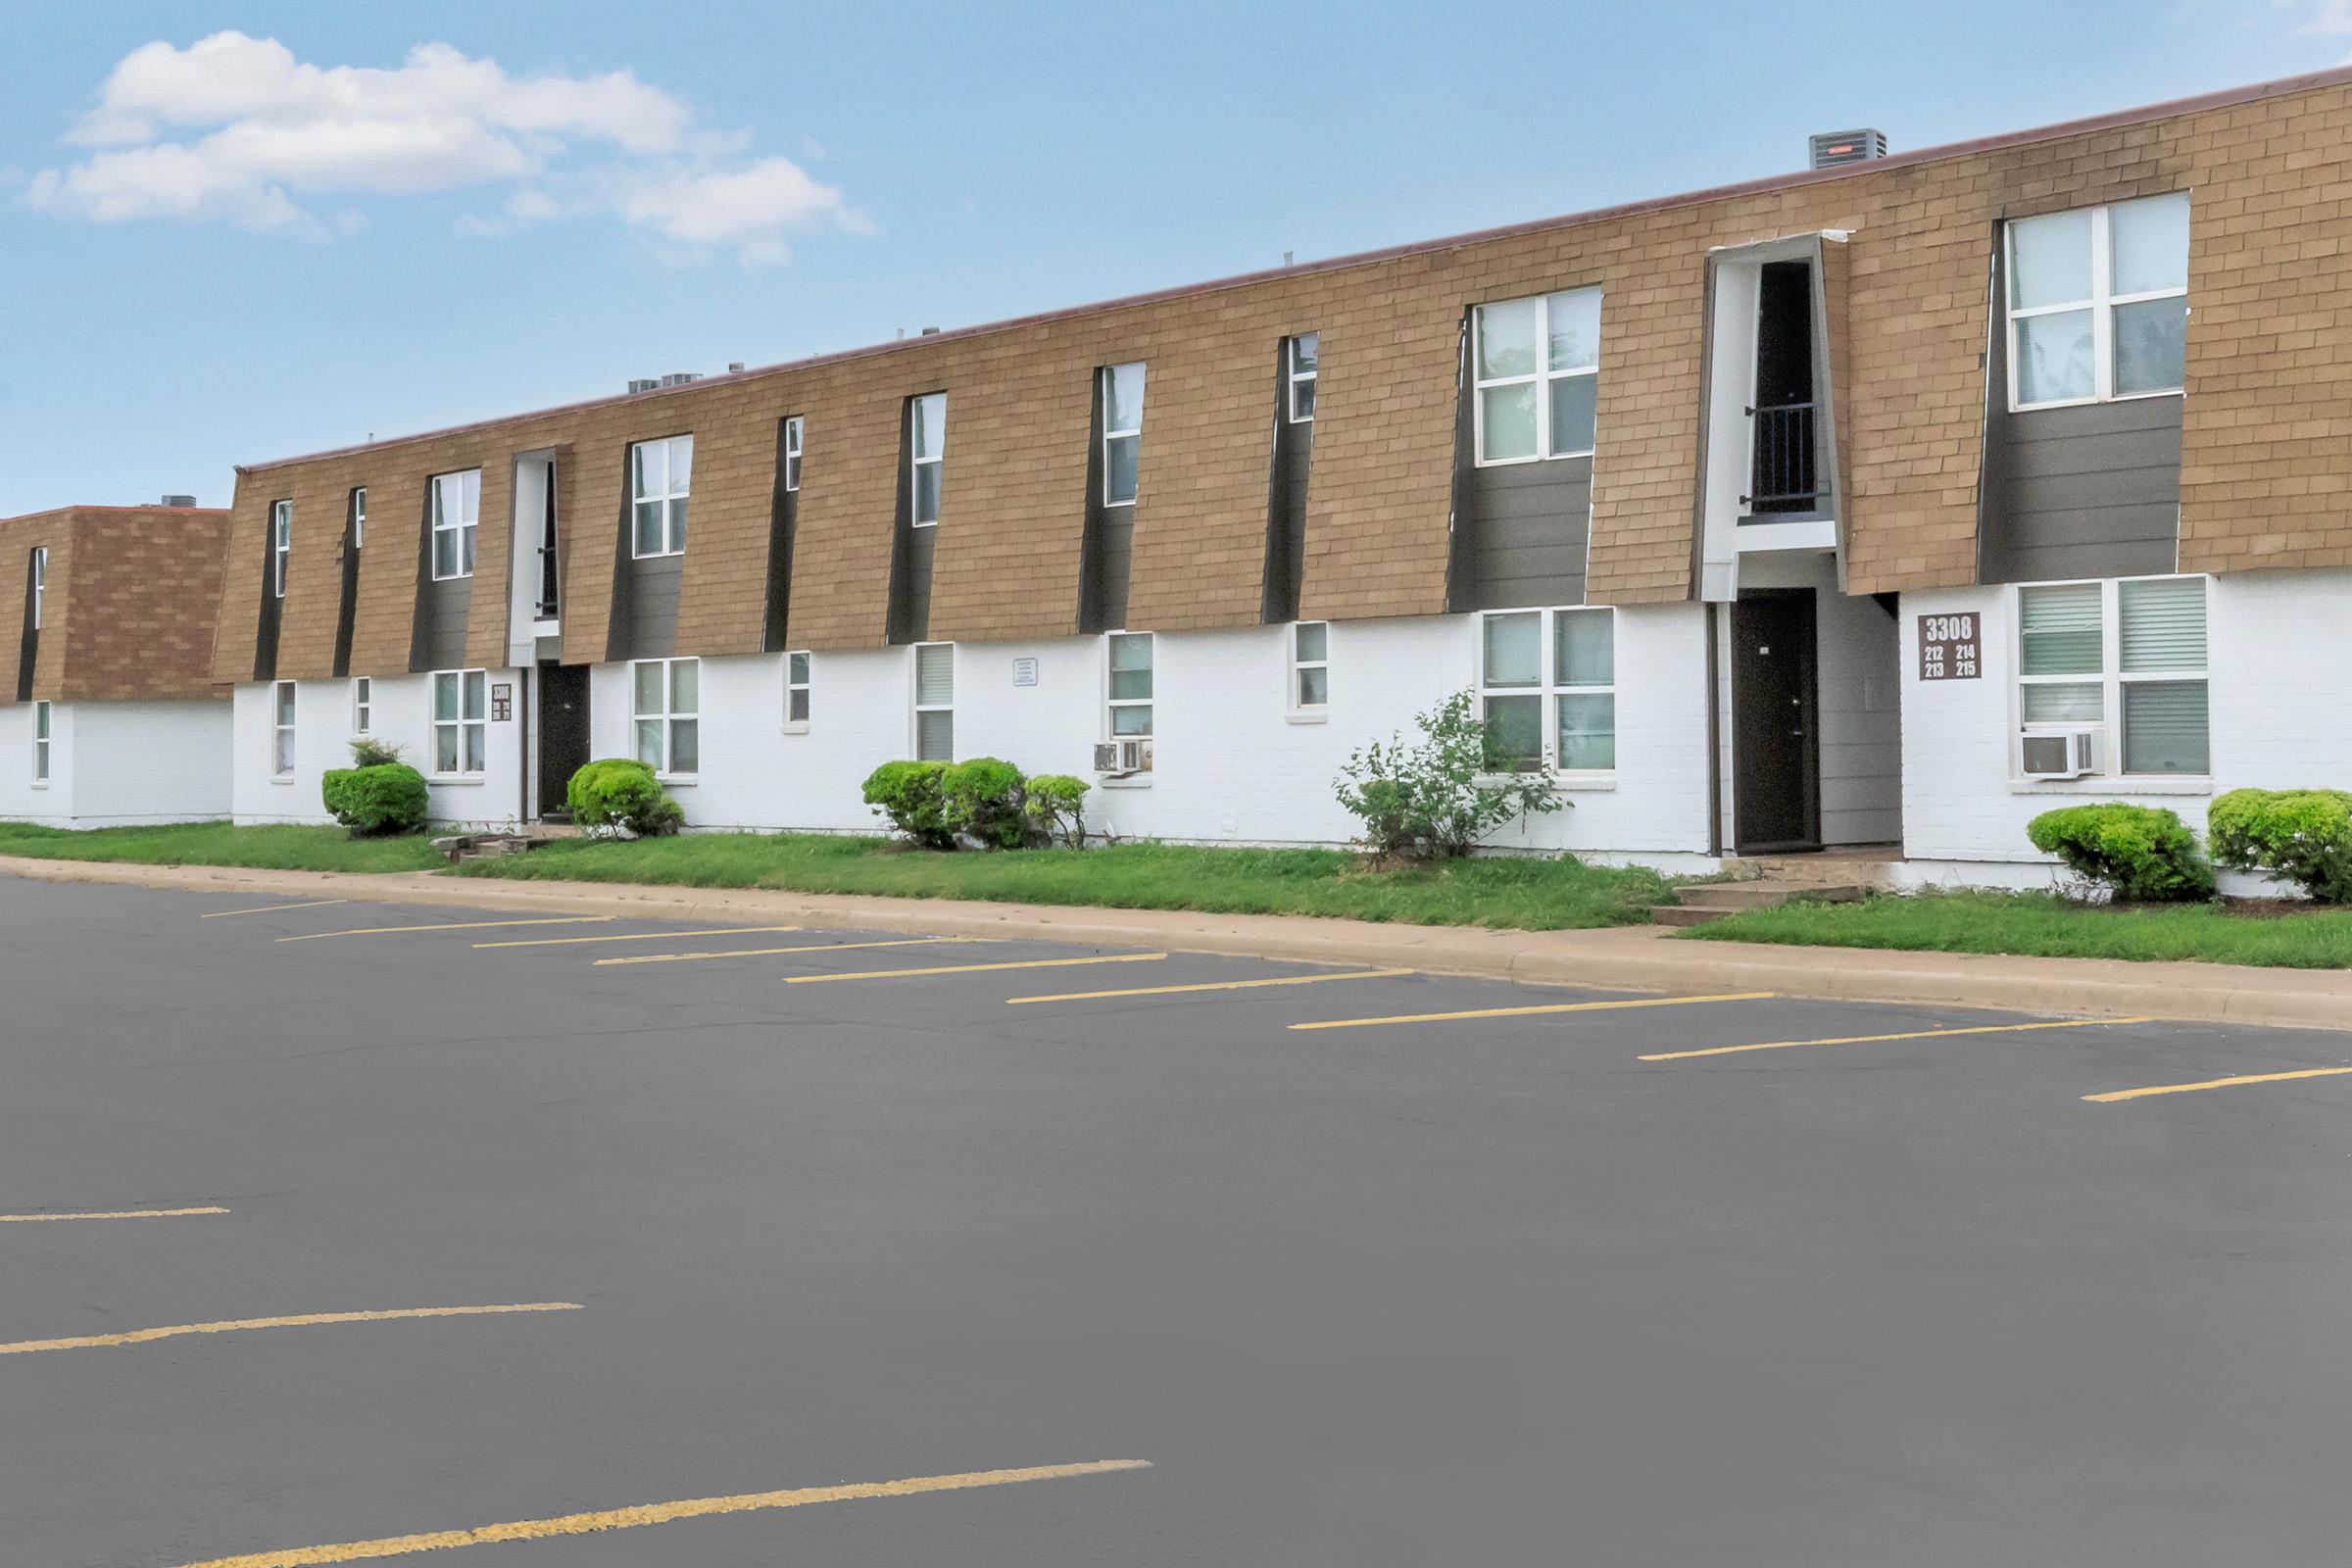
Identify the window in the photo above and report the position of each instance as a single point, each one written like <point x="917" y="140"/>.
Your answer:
<point x="40" y="743"/>
<point x="792" y="453"/>
<point x="659" y="472"/>
<point x="457" y="506"/>
<point x="282" y="729"/>
<point x="1122" y="432"/>
<point x="927" y="451"/>
<point x="668" y="707"/>
<point x="40" y="582"/>
<point x="460" y="721"/>
<point x="935" y="702"/>
<point x="1538" y="364"/>
<point x="1129" y="654"/>
<point x="1310" y="667"/>
<point x="1300" y="367"/>
<point x="2092" y="653"/>
<point x="1548" y="682"/>
<point x="2098" y="303"/>
<point x="363" y="705"/>
<point x="358" y="517"/>
<point x="281" y="544"/>
<point x="796" y="691"/>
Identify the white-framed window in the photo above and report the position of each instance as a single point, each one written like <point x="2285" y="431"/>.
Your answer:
<point x="460" y="721"/>
<point x="1128" y="659"/>
<point x="1299" y="366"/>
<point x="935" y="702"/>
<point x="792" y="453"/>
<point x="282" y="729"/>
<point x="666" y="702"/>
<point x="2098" y="303"/>
<point x="40" y="743"/>
<point x="1122" y="432"/>
<point x="1310" y="667"/>
<point x="927" y="455"/>
<point x="281" y="544"/>
<point x="363" y="705"/>
<point x="358" y="516"/>
<point x="661" y="472"/>
<point x="2125" y="658"/>
<point x="797" y="667"/>
<point x="1536" y="365"/>
<point x="457" y="505"/>
<point x="40" y="582"/>
<point x="1547" y="686"/>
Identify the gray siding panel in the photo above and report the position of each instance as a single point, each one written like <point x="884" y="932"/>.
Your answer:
<point x="1285" y="533"/>
<point x="920" y="542"/>
<point x="443" y="613"/>
<point x="652" y="630"/>
<point x="1523" y="528"/>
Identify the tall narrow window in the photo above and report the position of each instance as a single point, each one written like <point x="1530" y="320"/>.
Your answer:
<point x="796" y="691"/>
<point x="457" y="507"/>
<point x="792" y="453"/>
<point x="2127" y="653"/>
<point x="1310" y="667"/>
<point x="1130" y="702"/>
<point x="667" y="707"/>
<point x="935" y="702"/>
<point x="460" y="721"/>
<point x="40" y="743"/>
<point x="281" y="544"/>
<point x="1537" y="366"/>
<point x="1302" y="365"/>
<point x="40" y="582"/>
<point x="2098" y="303"/>
<point x="281" y="730"/>
<point x="362" y="707"/>
<point x="1122" y="432"/>
<point x="358" y="517"/>
<point x="659" y="476"/>
<point x="927" y="453"/>
<point x="1548" y="683"/>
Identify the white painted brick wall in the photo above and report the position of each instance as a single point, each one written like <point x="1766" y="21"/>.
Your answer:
<point x="118" y="765"/>
<point x="22" y="800"/>
<point x="402" y="715"/>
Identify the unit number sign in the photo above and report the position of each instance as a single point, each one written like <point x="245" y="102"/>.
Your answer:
<point x="1950" y="648"/>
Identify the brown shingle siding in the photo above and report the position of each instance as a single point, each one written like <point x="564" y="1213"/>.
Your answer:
<point x="128" y="614"/>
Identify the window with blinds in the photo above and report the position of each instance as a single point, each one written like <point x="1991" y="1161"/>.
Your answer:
<point x="935" y="702"/>
<point x="2127" y="657"/>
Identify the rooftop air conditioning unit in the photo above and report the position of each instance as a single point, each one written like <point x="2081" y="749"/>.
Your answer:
<point x="2062" y="754"/>
<point x="643" y="383"/>
<point x="1119" y="758"/>
<point x="177" y="501"/>
<point x="681" y="377"/>
<point x="1832" y="148"/>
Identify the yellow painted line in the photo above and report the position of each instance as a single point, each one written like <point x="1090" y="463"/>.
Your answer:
<point x="764" y="953"/>
<point x="305" y="1320"/>
<point x="658" y="1513"/>
<point x="2114" y="1095"/>
<point x="116" y="1213"/>
<point x="453" y="925"/>
<point x="1915" y="1033"/>
<point x="976" y="968"/>
<point x="636" y="936"/>
<point x="1522" y="1012"/>
<point x="1214" y="985"/>
<point x="272" y="909"/>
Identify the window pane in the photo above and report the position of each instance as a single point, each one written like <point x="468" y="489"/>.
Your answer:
<point x="649" y="743"/>
<point x="648" y="540"/>
<point x="934" y="737"/>
<point x="445" y="555"/>
<point x="2049" y="260"/>
<point x="1133" y="720"/>
<point x="1506" y="339"/>
<point x="645" y="467"/>
<point x="445" y="748"/>
<point x="1313" y="636"/>
<point x="2164" y="727"/>
<point x="2059" y="626"/>
<point x="2064" y="703"/>
<point x="685" y="745"/>
<point x="465" y="552"/>
<point x="284" y="750"/>
<point x="926" y="492"/>
<point x="649" y="687"/>
<point x="2152" y="345"/>
<point x="1583" y="652"/>
<point x="445" y="697"/>
<point x="796" y="706"/>
<point x="470" y="495"/>
<point x="685" y="686"/>
<point x="1118" y="470"/>
<point x="1507" y="421"/>
<point x="800" y="669"/>
<point x="1572" y="323"/>
<point x="1516" y="724"/>
<point x="477" y="695"/>
<point x="1123" y="397"/>
<point x="1131" y="652"/>
<point x="2148" y="244"/>
<point x="935" y="674"/>
<point x="2163" y="624"/>
<point x="677" y="525"/>
<point x="1302" y="399"/>
<point x="477" y="738"/>
<point x="1514" y="650"/>
<point x="1572" y="400"/>
<point x="1303" y="349"/>
<point x="1588" y="731"/>
<point x="40" y="721"/>
<point x="1314" y="686"/>
<point x="2053" y="357"/>
<point x="681" y="463"/>
<point x="285" y="702"/>
<point x="931" y="425"/>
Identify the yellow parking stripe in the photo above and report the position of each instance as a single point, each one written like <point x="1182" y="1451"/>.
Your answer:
<point x="975" y="968"/>
<point x="2114" y="1095"/>
<point x="1214" y="985"/>
<point x="659" y="1513"/>
<point x="305" y="1320"/>
<point x="117" y="1214"/>
<point x="272" y="909"/>
<point x="453" y="925"/>
<point x="765" y="952"/>
<point x="1522" y="1012"/>
<point x="637" y="936"/>
<point x="1915" y="1033"/>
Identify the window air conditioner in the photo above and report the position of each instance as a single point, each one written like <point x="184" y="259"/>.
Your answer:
<point x="2062" y="754"/>
<point x="1119" y="758"/>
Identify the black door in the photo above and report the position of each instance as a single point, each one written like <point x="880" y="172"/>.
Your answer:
<point x="563" y="731"/>
<point x="1776" y="756"/>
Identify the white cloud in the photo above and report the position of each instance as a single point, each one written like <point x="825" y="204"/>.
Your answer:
<point x="2329" y="17"/>
<point x="235" y="130"/>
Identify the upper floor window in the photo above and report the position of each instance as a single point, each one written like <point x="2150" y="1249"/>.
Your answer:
<point x="1130" y="703"/>
<point x="927" y="453"/>
<point x="2098" y="303"/>
<point x="358" y="517"/>
<point x="2093" y="654"/>
<point x="659" y="472"/>
<point x="667" y="705"/>
<point x="1122" y="432"/>
<point x="1548" y="683"/>
<point x="935" y="702"/>
<point x="1299" y="366"/>
<point x="460" y="721"/>
<point x="40" y="582"/>
<point x="792" y="453"/>
<point x="1537" y="364"/>
<point x="457" y="508"/>
<point x="281" y="544"/>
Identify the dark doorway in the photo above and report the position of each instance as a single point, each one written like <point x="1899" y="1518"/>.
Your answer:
<point x="1775" y="741"/>
<point x="562" y="733"/>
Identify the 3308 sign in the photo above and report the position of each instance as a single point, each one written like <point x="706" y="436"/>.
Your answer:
<point x="1950" y="648"/>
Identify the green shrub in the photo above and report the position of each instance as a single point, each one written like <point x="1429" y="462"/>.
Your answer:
<point x="386" y="798"/>
<point x="2299" y="836"/>
<point x="1438" y="797"/>
<point x="981" y="798"/>
<point x="1055" y="804"/>
<point x="614" y="792"/>
<point x="368" y="751"/>
<point x="2141" y="853"/>
<point x="911" y="797"/>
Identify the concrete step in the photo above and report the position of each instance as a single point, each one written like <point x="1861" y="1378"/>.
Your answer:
<point x="1683" y="915"/>
<point x="1764" y="895"/>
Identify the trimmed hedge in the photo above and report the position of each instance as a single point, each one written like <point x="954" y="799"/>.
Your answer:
<point x="2299" y="836"/>
<point x="1055" y="808"/>
<point x="387" y="798"/>
<point x="620" y="792"/>
<point x="910" y="795"/>
<point x="2141" y="853"/>
<point x="984" y="799"/>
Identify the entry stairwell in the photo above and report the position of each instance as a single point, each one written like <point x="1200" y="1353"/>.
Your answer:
<point x="1764" y="881"/>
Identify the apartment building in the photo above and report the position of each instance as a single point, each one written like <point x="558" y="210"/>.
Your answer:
<point x="1886" y="503"/>
<point x="110" y="716"/>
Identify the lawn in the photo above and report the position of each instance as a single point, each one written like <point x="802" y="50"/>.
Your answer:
<point x="2045" y="925"/>
<point x="281" y="847"/>
<point x="1518" y="894"/>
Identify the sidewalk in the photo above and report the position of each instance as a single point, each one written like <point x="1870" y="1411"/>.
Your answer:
<point x="1625" y="957"/>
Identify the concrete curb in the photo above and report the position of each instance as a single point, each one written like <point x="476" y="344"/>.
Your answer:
<point x="1627" y="958"/>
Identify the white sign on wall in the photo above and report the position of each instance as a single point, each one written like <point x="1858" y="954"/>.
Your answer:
<point x="1024" y="672"/>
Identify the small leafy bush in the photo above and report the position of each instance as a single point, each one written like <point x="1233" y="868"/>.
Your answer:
<point x="369" y="751"/>
<point x="617" y="793"/>
<point x="984" y="800"/>
<point x="2299" y="836"/>
<point x="981" y="798"/>
<point x="913" y="798"/>
<point x="1054" y="806"/>
<point x="381" y="799"/>
<point x="1436" y="798"/>
<point x="2140" y="853"/>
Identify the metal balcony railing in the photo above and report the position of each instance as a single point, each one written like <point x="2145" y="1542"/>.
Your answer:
<point x="548" y="592"/>
<point x="1783" y="470"/>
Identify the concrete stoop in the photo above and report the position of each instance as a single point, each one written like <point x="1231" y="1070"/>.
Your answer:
<point x="1712" y="901"/>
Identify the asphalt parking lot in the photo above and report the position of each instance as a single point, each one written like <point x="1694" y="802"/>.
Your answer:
<point x="593" y="1242"/>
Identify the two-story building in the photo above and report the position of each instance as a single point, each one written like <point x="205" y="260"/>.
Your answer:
<point x="1886" y="503"/>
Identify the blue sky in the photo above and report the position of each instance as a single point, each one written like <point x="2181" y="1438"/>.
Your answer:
<point x="245" y="250"/>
